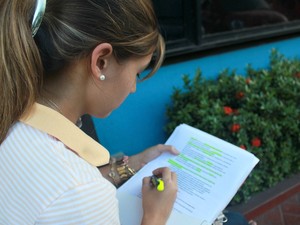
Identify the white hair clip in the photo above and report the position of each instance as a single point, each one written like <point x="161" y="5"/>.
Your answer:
<point x="39" y="11"/>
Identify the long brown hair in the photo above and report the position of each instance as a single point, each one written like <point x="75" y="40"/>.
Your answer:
<point x="70" y="29"/>
<point x="20" y="63"/>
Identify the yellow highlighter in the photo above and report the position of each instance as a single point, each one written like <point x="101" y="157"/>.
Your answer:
<point x="158" y="183"/>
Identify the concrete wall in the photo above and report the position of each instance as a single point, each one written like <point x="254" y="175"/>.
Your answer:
<point x="139" y="122"/>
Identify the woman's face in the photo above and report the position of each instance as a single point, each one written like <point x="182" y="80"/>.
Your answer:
<point x="120" y="81"/>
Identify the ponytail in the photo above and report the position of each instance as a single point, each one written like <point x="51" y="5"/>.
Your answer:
<point x="20" y="63"/>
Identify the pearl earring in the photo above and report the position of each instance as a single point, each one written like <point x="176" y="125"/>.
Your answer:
<point x="102" y="77"/>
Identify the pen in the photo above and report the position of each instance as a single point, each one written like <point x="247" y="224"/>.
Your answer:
<point x="158" y="183"/>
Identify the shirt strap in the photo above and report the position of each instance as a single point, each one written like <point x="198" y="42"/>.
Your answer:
<point x="55" y="124"/>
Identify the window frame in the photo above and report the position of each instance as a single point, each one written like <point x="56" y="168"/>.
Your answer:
<point x="195" y="41"/>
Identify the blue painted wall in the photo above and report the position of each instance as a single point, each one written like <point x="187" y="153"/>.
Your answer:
<point x="139" y="122"/>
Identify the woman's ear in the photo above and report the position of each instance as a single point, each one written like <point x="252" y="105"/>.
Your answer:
<point x="100" y="58"/>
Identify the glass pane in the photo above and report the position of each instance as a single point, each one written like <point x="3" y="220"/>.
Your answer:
<point x="170" y="17"/>
<point x="231" y="15"/>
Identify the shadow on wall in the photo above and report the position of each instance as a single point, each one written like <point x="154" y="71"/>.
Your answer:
<point x="139" y="122"/>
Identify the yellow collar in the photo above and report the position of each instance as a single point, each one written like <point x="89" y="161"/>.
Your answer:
<point x="55" y="124"/>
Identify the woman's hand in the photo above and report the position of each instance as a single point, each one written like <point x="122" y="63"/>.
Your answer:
<point x="157" y="205"/>
<point x="139" y="160"/>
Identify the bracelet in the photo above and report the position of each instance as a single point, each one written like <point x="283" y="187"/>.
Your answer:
<point x="119" y="169"/>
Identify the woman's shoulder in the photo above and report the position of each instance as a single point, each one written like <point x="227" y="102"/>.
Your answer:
<point x="46" y="171"/>
<point x="37" y="153"/>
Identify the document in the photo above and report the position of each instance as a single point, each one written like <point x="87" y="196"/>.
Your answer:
<point x="209" y="170"/>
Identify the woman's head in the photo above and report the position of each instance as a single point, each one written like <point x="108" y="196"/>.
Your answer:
<point x="73" y="28"/>
<point x="70" y="30"/>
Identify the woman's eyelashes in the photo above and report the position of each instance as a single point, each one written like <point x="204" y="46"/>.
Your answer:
<point x="138" y="76"/>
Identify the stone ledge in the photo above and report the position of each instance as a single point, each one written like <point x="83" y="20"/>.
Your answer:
<point x="265" y="201"/>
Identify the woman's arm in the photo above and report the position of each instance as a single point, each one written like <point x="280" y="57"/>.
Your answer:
<point x="105" y="171"/>
<point x="139" y="160"/>
<point x="136" y="162"/>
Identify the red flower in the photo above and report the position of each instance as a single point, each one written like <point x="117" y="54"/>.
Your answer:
<point x="256" y="142"/>
<point x="243" y="147"/>
<point x="235" y="111"/>
<point x="240" y="95"/>
<point x="297" y="74"/>
<point x="227" y="110"/>
<point x="235" y="127"/>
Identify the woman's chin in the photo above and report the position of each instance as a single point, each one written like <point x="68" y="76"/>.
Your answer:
<point x="101" y="115"/>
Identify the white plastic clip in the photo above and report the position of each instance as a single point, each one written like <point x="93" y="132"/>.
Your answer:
<point x="39" y="12"/>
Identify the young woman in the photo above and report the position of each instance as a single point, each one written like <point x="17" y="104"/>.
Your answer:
<point x="62" y="59"/>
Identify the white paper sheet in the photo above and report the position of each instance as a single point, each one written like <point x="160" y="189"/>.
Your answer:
<point x="209" y="172"/>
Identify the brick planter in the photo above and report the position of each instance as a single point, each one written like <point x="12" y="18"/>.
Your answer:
<point x="279" y="205"/>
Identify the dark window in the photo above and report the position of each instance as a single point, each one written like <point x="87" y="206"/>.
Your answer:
<point x="179" y="23"/>
<point x="195" y="25"/>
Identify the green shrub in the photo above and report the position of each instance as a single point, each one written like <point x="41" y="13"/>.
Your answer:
<point x="258" y="111"/>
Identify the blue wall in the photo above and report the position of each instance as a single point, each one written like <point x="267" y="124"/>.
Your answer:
<point x="139" y="122"/>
